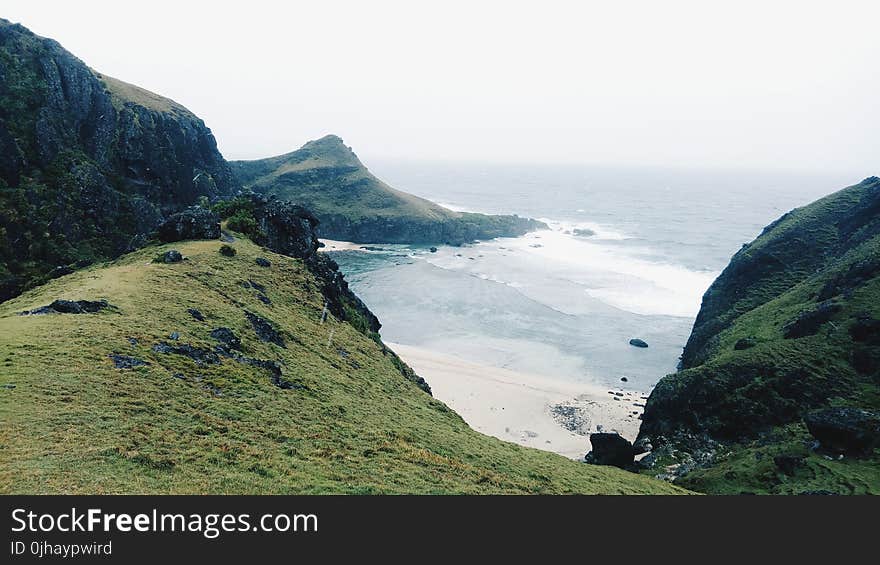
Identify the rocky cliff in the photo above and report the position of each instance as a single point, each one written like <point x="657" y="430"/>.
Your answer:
<point x="352" y="204"/>
<point x="89" y="165"/>
<point x="790" y="328"/>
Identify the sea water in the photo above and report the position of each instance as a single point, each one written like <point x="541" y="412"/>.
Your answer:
<point x="628" y="254"/>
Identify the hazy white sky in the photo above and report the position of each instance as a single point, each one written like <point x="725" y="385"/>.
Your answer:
<point x="792" y="85"/>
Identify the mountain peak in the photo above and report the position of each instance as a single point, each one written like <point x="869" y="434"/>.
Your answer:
<point x="332" y="149"/>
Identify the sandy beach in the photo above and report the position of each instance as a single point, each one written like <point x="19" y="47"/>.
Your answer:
<point x="527" y="409"/>
<point x="333" y="245"/>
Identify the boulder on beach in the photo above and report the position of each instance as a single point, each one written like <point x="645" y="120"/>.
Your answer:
<point x="610" y="449"/>
<point x="636" y="342"/>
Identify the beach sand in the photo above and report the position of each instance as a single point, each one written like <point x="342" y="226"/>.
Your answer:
<point x="333" y="245"/>
<point x="531" y="410"/>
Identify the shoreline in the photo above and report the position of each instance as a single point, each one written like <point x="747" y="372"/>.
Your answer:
<point x="334" y="245"/>
<point x="527" y="409"/>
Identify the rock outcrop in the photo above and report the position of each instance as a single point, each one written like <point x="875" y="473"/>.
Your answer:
<point x="610" y="449"/>
<point x="845" y="430"/>
<point x="193" y="223"/>
<point x="112" y="159"/>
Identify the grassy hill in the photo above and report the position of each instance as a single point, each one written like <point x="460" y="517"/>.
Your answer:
<point x="791" y="326"/>
<point x="326" y="177"/>
<point x="309" y="407"/>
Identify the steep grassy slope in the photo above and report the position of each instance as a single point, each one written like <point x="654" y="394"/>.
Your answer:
<point x="352" y="204"/>
<point x="346" y="421"/>
<point x="791" y="325"/>
<point x="89" y="165"/>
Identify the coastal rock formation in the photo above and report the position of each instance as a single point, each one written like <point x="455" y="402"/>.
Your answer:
<point x="610" y="449"/>
<point x="113" y="159"/>
<point x="326" y="177"/>
<point x="788" y="328"/>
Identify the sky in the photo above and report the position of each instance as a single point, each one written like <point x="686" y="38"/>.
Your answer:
<point x="752" y="85"/>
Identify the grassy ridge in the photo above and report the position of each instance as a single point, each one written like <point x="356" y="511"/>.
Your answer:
<point x="326" y="177"/>
<point x="73" y="423"/>
<point x="777" y="337"/>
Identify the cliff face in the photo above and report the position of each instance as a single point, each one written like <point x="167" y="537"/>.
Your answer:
<point x="89" y="165"/>
<point x="792" y="325"/>
<point x="352" y="204"/>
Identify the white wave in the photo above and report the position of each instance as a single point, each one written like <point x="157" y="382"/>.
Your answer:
<point x="599" y="231"/>
<point x="561" y="270"/>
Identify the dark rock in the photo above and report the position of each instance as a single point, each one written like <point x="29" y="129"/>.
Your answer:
<point x="264" y="299"/>
<point x="744" y="343"/>
<point x="642" y="445"/>
<point x="275" y="371"/>
<point x="788" y="464"/>
<point x="69" y="307"/>
<point x="808" y="323"/>
<point x="227" y="250"/>
<point x="263" y="262"/>
<point x="433" y="250"/>
<point x="624" y="379"/>
<point x="341" y="301"/>
<point x="171" y="256"/>
<point x="194" y="222"/>
<point x="257" y="286"/>
<point x="636" y="342"/>
<point x="610" y="449"/>
<point x="285" y="228"/>
<point x="867" y="362"/>
<point x="227" y="337"/>
<point x="265" y="329"/>
<point x="174" y="336"/>
<point x="126" y="362"/>
<point x="583" y="232"/>
<point x="9" y="386"/>
<point x="196" y="314"/>
<point x="200" y="356"/>
<point x="866" y="329"/>
<point x="78" y="306"/>
<point x="60" y="271"/>
<point x="851" y="431"/>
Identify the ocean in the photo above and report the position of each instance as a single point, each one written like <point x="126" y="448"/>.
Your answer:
<point x="629" y="254"/>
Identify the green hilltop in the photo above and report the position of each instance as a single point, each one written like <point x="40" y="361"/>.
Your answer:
<point x="218" y="406"/>
<point x="790" y="327"/>
<point x="352" y="204"/>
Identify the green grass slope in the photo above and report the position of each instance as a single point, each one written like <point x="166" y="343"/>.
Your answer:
<point x="71" y="422"/>
<point x="326" y="177"/>
<point x="790" y="326"/>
